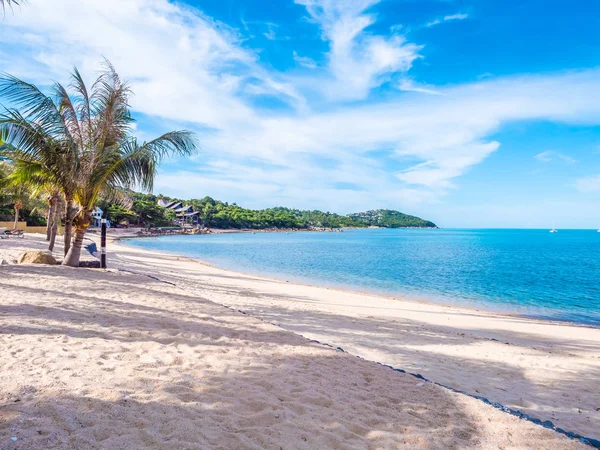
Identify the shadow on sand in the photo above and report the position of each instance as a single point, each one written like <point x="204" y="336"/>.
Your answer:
<point x="267" y="388"/>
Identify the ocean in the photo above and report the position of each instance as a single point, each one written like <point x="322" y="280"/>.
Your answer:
<point x="532" y="273"/>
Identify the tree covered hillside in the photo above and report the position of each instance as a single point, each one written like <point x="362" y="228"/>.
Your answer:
<point x="218" y="214"/>
<point x="143" y="210"/>
<point x="389" y="218"/>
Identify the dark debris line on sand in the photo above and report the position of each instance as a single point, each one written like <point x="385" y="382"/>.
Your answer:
<point x="595" y="443"/>
<point x="515" y="412"/>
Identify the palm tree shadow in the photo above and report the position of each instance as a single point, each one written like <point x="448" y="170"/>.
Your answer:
<point x="200" y="375"/>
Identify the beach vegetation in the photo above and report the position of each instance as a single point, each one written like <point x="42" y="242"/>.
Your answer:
<point x="217" y="214"/>
<point x="389" y="218"/>
<point x="18" y="201"/>
<point x="80" y="139"/>
<point x="144" y="211"/>
<point x="42" y="187"/>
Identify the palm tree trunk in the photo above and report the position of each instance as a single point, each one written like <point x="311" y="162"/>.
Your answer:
<point x="49" y="218"/>
<point x="55" y="219"/>
<point x="83" y="220"/>
<point x="16" y="218"/>
<point x="72" y="258"/>
<point x="68" y="223"/>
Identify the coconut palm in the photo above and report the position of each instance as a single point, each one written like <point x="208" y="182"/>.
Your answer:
<point x="40" y="141"/>
<point x="82" y="139"/>
<point x="18" y="204"/>
<point x="19" y="195"/>
<point x="5" y="187"/>
<point x="32" y="174"/>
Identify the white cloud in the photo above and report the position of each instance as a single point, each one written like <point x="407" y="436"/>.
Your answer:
<point x="270" y="33"/>
<point x="189" y="71"/>
<point x="550" y="155"/>
<point x="544" y="156"/>
<point x="408" y="85"/>
<point x="172" y="53"/>
<point x="358" y="60"/>
<point x="456" y="17"/>
<point x="305" y="61"/>
<point x="485" y="75"/>
<point x="589" y="184"/>
<point x="305" y="187"/>
<point x="444" y="135"/>
<point x="438" y="173"/>
<point x="449" y="18"/>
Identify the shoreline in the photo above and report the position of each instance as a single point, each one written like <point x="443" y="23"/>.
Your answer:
<point x="522" y="363"/>
<point x="485" y="307"/>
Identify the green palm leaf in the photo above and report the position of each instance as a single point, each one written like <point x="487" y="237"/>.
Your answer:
<point x="10" y="4"/>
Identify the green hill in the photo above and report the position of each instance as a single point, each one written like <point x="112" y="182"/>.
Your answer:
<point x="216" y="214"/>
<point x="388" y="218"/>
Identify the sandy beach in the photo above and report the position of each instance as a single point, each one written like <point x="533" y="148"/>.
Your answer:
<point x="153" y="353"/>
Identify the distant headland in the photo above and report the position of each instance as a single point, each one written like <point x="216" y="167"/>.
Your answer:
<point x="152" y="210"/>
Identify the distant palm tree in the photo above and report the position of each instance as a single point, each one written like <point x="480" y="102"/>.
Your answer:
<point x="82" y="139"/>
<point x="19" y="195"/>
<point x="42" y="184"/>
<point x="40" y="141"/>
<point x="9" y="195"/>
<point x="17" y="207"/>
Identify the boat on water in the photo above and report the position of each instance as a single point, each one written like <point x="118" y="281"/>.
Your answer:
<point x="554" y="230"/>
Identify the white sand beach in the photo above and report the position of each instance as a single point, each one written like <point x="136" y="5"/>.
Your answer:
<point x="146" y="355"/>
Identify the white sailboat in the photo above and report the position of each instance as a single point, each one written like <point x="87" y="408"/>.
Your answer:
<point x="553" y="230"/>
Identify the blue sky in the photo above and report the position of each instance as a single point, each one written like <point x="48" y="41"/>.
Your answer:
<point x="473" y="113"/>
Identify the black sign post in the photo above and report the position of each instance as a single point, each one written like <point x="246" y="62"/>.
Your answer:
<point x="103" y="245"/>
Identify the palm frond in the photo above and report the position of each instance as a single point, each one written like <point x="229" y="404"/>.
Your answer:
<point x="138" y="166"/>
<point x="173" y="143"/>
<point x="31" y="103"/>
<point x="140" y="162"/>
<point x="110" y="107"/>
<point x="35" y="151"/>
<point x="83" y="105"/>
<point x="35" y="175"/>
<point x="10" y="4"/>
<point x="27" y="136"/>
<point x="68" y="113"/>
<point x="117" y="195"/>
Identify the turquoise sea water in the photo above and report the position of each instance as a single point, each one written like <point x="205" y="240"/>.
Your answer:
<point x="529" y="272"/>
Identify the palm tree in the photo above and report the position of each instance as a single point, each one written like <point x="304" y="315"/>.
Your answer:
<point x="28" y="173"/>
<point x="15" y="193"/>
<point x="82" y="140"/>
<point x="17" y="207"/>
<point x="40" y="141"/>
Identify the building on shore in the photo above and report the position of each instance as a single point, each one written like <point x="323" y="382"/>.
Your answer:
<point x="97" y="214"/>
<point x="185" y="214"/>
